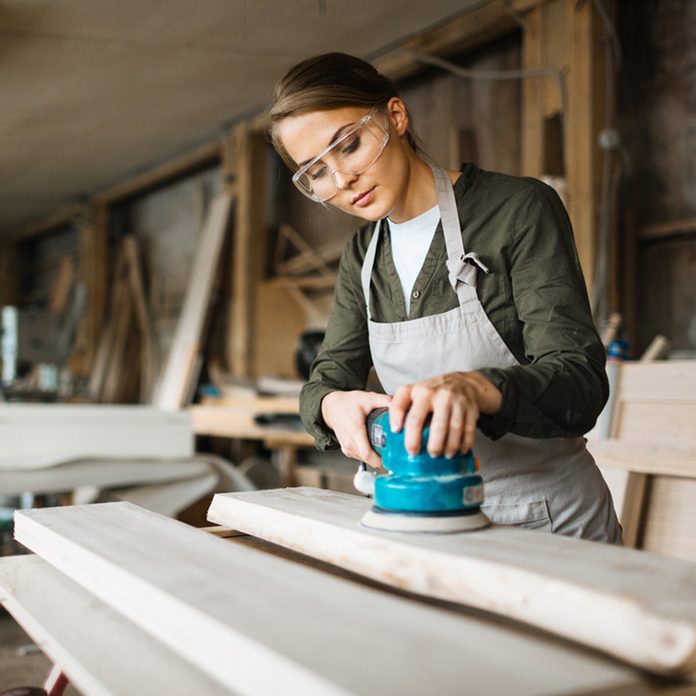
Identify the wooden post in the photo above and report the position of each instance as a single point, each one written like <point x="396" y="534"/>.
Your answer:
<point x="585" y="106"/>
<point x="564" y="35"/>
<point x="249" y="241"/>
<point x="94" y="271"/>
<point x="9" y="280"/>
<point x="532" y="97"/>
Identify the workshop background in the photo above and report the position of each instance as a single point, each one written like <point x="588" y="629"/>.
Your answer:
<point x="154" y="252"/>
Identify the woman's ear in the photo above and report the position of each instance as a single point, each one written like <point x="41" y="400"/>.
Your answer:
<point x="398" y="115"/>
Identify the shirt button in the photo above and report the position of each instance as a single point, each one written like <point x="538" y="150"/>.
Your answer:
<point x="416" y="294"/>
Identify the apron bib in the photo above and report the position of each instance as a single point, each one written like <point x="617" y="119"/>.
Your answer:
<point x="551" y="484"/>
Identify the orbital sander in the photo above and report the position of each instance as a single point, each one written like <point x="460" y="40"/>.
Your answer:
<point x="419" y="493"/>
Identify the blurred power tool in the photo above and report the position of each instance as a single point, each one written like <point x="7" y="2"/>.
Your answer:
<point x="419" y="493"/>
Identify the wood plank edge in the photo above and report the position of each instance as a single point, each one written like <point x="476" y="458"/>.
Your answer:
<point x="630" y="636"/>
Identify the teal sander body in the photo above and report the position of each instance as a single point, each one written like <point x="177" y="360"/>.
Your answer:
<point x="421" y="493"/>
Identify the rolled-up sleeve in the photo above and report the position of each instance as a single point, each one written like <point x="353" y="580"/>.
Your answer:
<point x="562" y="388"/>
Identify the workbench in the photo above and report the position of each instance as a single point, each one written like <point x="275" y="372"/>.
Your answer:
<point x="269" y="620"/>
<point x="234" y="418"/>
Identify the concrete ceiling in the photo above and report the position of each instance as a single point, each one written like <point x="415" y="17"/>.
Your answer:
<point x="94" y="91"/>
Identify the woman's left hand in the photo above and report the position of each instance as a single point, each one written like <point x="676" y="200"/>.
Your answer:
<point x="455" y="399"/>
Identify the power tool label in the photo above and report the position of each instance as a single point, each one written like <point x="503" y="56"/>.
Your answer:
<point x="473" y="495"/>
<point x="379" y="439"/>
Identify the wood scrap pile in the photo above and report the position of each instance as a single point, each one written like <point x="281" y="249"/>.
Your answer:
<point x="127" y="365"/>
<point x="117" y="376"/>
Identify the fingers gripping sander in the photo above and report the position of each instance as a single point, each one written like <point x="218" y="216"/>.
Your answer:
<point x="419" y="493"/>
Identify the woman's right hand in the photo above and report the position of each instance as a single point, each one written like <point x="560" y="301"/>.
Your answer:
<point x="345" y="412"/>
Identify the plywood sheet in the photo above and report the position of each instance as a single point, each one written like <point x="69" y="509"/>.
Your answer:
<point x="265" y="625"/>
<point x="604" y="596"/>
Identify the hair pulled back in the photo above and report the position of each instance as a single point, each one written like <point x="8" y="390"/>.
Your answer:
<point x="324" y="82"/>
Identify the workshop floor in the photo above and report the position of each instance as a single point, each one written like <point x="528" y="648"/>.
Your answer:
<point x="21" y="662"/>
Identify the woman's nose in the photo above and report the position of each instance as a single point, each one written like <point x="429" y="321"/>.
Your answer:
<point x="344" y="180"/>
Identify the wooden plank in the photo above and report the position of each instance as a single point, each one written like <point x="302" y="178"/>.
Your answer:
<point x="36" y="435"/>
<point x="668" y="229"/>
<point x="159" y="175"/>
<point x="145" y="323"/>
<point x="65" y="215"/>
<point x="584" y="104"/>
<point x="9" y="276"/>
<point x="658" y="421"/>
<point x="669" y="380"/>
<point x="113" y="657"/>
<point x="472" y="28"/>
<point x="95" y="274"/>
<point x="175" y="384"/>
<point x="644" y="458"/>
<point x="566" y="586"/>
<point x="62" y="285"/>
<point x="239" y="422"/>
<point x="532" y="97"/>
<point x="120" y="361"/>
<point x="99" y="473"/>
<point x="670" y="517"/>
<point x="264" y="625"/>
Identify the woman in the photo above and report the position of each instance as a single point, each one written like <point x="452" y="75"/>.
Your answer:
<point x="463" y="291"/>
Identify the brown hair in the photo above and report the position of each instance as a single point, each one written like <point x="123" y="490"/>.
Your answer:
<point x="328" y="81"/>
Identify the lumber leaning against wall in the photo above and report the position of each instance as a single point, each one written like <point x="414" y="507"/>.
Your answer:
<point x="175" y="385"/>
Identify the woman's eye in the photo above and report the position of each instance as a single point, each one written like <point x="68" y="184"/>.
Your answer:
<point x="317" y="172"/>
<point x="351" y="146"/>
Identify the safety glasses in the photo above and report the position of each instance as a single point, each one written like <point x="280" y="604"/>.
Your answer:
<point x="351" y="154"/>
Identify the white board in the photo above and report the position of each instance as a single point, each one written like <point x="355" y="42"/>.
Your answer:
<point x="37" y="435"/>
<point x="259" y="624"/>
<point x="637" y="606"/>
<point x="112" y="656"/>
<point x="100" y="473"/>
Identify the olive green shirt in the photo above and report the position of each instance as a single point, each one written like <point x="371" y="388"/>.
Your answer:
<point x="533" y="294"/>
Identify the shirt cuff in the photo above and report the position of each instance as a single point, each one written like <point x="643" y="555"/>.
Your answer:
<point x="324" y="438"/>
<point x="498" y="424"/>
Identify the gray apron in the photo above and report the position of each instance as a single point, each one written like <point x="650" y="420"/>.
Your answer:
<point x="549" y="484"/>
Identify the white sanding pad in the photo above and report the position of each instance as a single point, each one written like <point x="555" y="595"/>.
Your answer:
<point x="424" y="524"/>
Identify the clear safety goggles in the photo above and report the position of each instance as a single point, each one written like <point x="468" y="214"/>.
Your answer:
<point x="352" y="153"/>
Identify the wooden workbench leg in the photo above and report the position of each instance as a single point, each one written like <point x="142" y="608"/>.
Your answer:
<point x="56" y="682"/>
<point x="284" y="457"/>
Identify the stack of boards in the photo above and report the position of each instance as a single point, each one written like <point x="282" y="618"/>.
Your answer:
<point x="165" y="608"/>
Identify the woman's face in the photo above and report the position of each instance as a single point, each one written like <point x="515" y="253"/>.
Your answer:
<point x="373" y="193"/>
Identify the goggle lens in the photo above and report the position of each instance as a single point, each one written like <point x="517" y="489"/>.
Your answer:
<point x="352" y="154"/>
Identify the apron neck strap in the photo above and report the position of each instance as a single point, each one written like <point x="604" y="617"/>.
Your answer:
<point x="460" y="264"/>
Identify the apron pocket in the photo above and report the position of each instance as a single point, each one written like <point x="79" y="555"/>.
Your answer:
<point x="531" y="515"/>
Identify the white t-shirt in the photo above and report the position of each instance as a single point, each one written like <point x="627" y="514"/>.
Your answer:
<point x="410" y="242"/>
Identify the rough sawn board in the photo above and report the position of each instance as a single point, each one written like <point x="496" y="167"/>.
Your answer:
<point x="637" y="606"/>
<point x="259" y="624"/>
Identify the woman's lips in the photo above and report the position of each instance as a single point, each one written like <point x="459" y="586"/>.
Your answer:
<point x="364" y="199"/>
